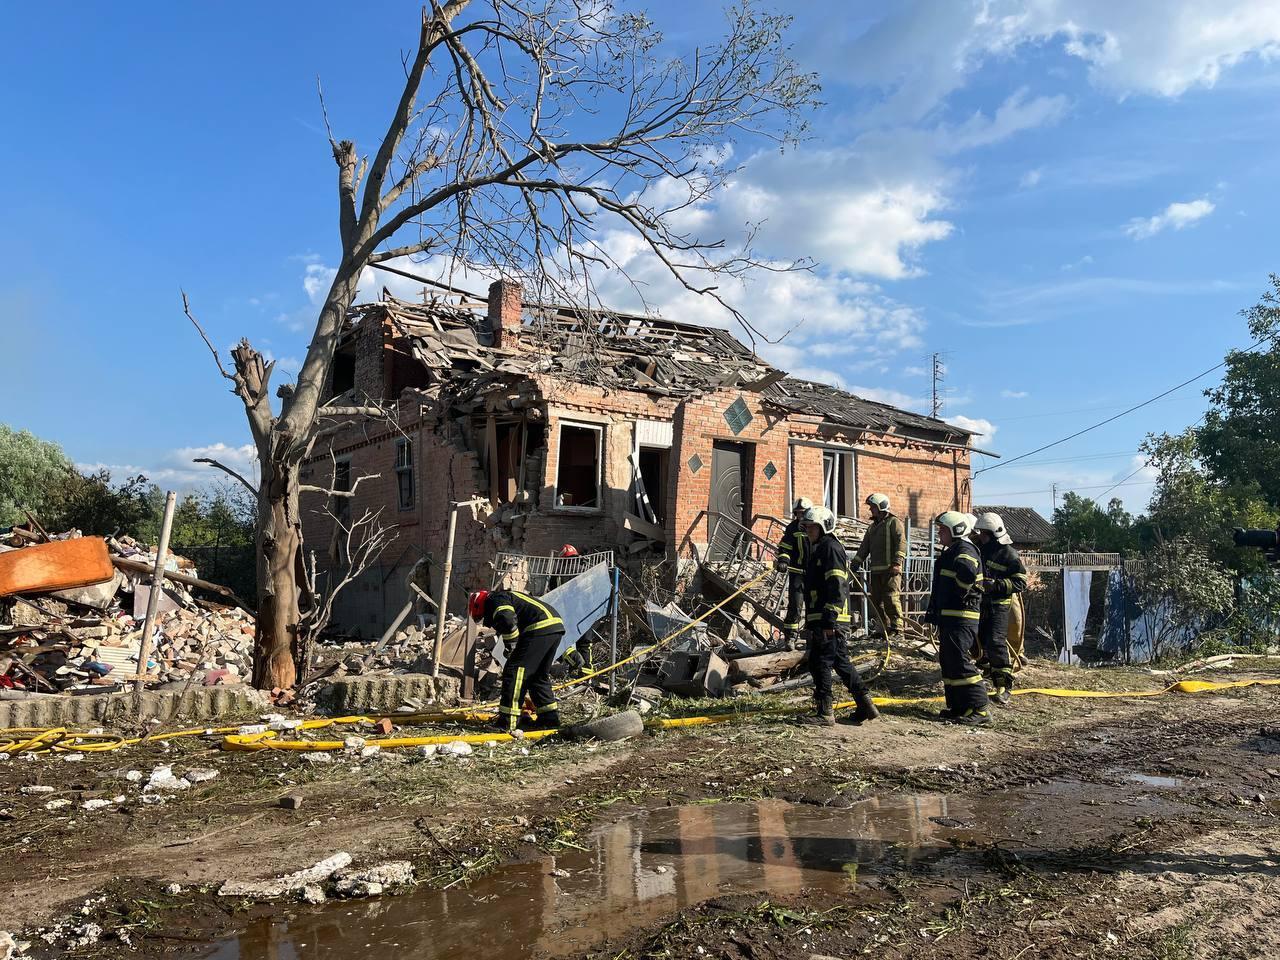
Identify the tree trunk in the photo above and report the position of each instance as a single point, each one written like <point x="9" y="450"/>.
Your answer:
<point x="278" y="648"/>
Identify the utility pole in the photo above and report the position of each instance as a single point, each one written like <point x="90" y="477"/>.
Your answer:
<point x="1055" y="497"/>
<point x="939" y="374"/>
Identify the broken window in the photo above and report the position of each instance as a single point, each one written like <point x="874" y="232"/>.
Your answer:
<point x="342" y="482"/>
<point x="343" y="373"/>
<point x="839" y="483"/>
<point x="578" y="473"/>
<point x="404" y="473"/>
<point x="651" y="491"/>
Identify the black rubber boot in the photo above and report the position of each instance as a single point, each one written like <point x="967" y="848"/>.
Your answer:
<point x="547" y="720"/>
<point x="866" y="709"/>
<point x="1001" y="685"/>
<point x="824" y="714"/>
<point x="972" y="718"/>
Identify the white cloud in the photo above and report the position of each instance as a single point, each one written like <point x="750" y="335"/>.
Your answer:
<point x="983" y="428"/>
<point x="926" y="51"/>
<point x="175" y="469"/>
<point x="1016" y="114"/>
<point x="1077" y="264"/>
<point x="914" y="371"/>
<point x="1014" y="394"/>
<point x="1031" y="178"/>
<point x="1175" y="215"/>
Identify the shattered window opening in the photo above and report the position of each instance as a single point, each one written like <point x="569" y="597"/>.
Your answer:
<point x="343" y="375"/>
<point x="839" y="483"/>
<point x="342" y="483"/>
<point x="654" y="468"/>
<point x="578" y="470"/>
<point x="404" y="473"/>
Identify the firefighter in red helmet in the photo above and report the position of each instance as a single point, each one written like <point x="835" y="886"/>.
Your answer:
<point x="532" y="631"/>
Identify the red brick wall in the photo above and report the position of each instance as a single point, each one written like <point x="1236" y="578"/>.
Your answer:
<point x="920" y="483"/>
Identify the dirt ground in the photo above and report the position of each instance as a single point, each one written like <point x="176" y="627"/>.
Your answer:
<point x="1140" y="828"/>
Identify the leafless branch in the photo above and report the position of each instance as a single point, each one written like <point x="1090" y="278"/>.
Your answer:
<point x="186" y="308"/>
<point x="225" y="469"/>
<point x="332" y="492"/>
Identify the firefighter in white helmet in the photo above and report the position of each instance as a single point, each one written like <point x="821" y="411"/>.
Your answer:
<point x="1005" y="578"/>
<point x="793" y="554"/>
<point x="954" y="610"/>
<point x="828" y="618"/>
<point x="884" y="545"/>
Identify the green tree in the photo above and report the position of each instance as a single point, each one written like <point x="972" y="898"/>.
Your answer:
<point x="33" y="473"/>
<point x="1240" y="440"/>
<point x="1192" y="501"/>
<point x="1180" y="590"/>
<point x="92" y="504"/>
<point x="1082" y="524"/>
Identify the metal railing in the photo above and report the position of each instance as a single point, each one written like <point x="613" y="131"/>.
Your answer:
<point x="537" y="575"/>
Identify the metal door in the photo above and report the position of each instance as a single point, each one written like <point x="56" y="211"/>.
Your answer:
<point x="726" y="499"/>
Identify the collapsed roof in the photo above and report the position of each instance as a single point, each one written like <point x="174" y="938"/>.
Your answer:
<point x="627" y="351"/>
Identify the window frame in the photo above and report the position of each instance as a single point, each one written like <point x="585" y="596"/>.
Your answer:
<point x="405" y="444"/>
<point x="599" y="430"/>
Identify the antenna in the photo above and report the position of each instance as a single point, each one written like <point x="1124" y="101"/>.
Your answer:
<point x="939" y="374"/>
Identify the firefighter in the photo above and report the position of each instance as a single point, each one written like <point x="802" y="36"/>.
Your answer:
<point x="793" y="553"/>
<point x="1005" y="577"/>
<point x="954" y="609"/>
<point x="532" y="631"/>
<point x="827" y="593"/>
<point x="884" y="545"/>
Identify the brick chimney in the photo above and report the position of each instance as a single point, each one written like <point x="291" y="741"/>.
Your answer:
<point x="504" y="313"/>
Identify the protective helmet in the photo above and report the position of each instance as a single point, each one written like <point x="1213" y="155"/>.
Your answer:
<point x="475" y="604"/>
<point x="878" y="500"/>
<point x="802" y="503"/>
<point x="568" y="550"/>
<point x="960" y="524"/>
<point x="822" y="517"/>
<point x="992" y="523"/>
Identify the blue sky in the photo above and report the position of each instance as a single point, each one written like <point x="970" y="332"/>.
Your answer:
<point x="1072" y="201"/>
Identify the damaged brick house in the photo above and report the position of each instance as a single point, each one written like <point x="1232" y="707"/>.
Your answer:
<point x="607" y="431"/>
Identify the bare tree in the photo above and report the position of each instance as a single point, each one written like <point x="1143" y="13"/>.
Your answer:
<point x="525" y="129"/>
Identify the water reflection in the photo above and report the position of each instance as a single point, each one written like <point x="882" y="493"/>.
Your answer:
<point x="633" y="871"/>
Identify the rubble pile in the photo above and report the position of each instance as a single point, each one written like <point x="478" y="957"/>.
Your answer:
<point x="88" y="638"/>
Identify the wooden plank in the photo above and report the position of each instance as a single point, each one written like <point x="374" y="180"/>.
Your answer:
<point x="765" y="665"/>
<point x="644" y="528"/>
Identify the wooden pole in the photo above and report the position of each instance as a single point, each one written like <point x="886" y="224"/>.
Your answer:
<point x="442" y="602"/>
<point x="157" y="588"/>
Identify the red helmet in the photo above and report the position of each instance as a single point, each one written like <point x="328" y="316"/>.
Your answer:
<point x="568" y="550"/>
<point x="475" y="604"/>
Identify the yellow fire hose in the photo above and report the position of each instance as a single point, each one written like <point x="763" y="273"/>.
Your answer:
<point x="59" y="739"/>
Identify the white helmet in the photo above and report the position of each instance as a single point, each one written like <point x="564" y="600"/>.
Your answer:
<point x="879" y="501"/>
<point x="992" y="523"/>
<point x="960" y="524"/>
<point x="822" y="517"/>
<point x="802" y="503"/>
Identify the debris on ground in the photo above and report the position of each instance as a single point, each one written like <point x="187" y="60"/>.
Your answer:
<point x="292" y="883"/>
<point x="88" y="637"/>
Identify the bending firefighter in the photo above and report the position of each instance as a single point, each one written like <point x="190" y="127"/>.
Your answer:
<point x="954" y="610"/>
<point x="1005" y="578"/>
<point x="827" y="592"/>
<point x="884" y="545"/>
<point x="793" y="554"/>
<point x="531" y="631"/>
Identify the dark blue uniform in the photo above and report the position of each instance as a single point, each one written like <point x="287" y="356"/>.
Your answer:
<point x="531" y="630"/>
<point x="954" y="609"/>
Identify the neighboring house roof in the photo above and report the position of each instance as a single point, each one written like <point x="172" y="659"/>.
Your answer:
<point x="1023" y="524"/>
<point x="624" y="351"/>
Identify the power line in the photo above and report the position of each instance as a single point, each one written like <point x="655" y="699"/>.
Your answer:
<point x="1103" y="423"/>
<point x="1096" y="486"/>
<point x="1122" y="481"/>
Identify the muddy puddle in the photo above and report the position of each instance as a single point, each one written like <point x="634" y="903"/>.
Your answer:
<point x="631" y="873"/>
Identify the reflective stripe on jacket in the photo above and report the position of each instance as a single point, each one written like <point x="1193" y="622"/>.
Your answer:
<point x="514" y="615"/>
<point x="1005" y="573"/>
<point x="957" y="582"/>
<point x="884" y="543"/>
<point x="794" y="547"/>
<point x="826" y="584"/>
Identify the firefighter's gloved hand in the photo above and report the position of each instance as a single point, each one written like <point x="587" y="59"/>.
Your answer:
<point x="575" y="660"/>
<point x="780" y="564"/>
